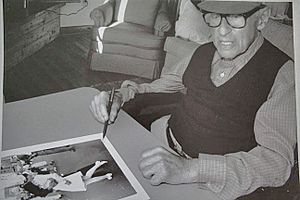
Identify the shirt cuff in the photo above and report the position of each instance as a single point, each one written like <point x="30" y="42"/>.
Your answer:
<point x="127" y="91"/>
<point x="212" y="171"/>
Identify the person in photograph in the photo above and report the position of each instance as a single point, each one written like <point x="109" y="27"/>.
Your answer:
<point x="234" y="130"/>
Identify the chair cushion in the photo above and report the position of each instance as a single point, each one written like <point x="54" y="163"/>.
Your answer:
<point x="179" y="47"/>
<point x="128" y="50"/>
<point x="130" y="34"/>
<point x="126" y="65"/>
<point x="141" y="12"/>
<point x="190" y="24"/>
<point x="280" y="35"/>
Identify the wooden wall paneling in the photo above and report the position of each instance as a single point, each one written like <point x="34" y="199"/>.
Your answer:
<point x="35" y="24"/>
<point x="25" y="37"/>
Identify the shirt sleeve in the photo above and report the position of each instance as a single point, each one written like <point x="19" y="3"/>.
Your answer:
<point x="268" y="164"/>
<point x="170" y="81"/>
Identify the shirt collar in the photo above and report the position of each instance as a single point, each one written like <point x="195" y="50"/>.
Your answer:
<point x="244" y="58"/>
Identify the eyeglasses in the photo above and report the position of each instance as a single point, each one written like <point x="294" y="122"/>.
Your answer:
<point x="236" y="21"/>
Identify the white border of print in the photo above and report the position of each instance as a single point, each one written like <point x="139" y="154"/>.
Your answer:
<point x="140" y="192"/>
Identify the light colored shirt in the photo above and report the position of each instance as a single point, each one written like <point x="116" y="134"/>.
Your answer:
<point x="223" y="70"/>
<point x="269" y="164"/>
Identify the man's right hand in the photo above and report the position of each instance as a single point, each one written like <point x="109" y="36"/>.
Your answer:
<point x="99" y="107"/>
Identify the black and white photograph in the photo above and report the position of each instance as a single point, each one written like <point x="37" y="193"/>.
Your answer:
<point x="150" y="99"/>
<point x="84" y="170"/>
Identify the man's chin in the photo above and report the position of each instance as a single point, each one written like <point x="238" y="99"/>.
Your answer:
<point x="227" y="54"/>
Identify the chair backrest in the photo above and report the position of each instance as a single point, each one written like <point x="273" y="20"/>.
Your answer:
<point x="141" y="12"/>
<point x="280" y="35"/>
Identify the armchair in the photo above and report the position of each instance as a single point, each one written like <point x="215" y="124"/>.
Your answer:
<point x="128" y="37"/>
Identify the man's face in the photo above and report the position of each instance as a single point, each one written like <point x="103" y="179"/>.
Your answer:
<point x="231" y="42"/>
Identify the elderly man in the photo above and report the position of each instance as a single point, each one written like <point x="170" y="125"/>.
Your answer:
<point x="234" y="130"/>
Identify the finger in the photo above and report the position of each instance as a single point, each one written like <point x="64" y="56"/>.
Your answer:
<point x="99" y="103"/>
<point x="151" y="170"/>
<point x="148" y="172"/>
<point x="156" y="174"/>
<point x="94" y="111"/>
<point x="157" y="179"/>
<point x="114" y="111"/>
<point x="156" y="150"/>
<point x="149" y="161"/>
<point x="102" y="100"/>
<point x="96" y="105"/>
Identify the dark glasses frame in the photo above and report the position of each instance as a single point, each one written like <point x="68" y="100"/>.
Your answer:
<point x="245" y="15"/>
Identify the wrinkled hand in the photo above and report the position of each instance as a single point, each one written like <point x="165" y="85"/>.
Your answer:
<point x="99" y="107"/>
<point x="161" y="166"/>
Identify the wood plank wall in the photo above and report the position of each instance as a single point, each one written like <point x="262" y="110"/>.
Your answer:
<point x="27" y="36"/>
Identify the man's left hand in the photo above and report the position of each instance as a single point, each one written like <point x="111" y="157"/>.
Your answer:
<point x="161" y="166"/>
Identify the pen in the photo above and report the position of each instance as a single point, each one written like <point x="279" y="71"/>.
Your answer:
<point x="110" y="102"/>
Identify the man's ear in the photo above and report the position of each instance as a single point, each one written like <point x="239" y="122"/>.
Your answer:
<point x="263" y="17"/>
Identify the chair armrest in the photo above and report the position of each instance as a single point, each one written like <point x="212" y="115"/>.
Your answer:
<point x="103" y="14"/>
<point x="162" y="21"/>
<point x="148" y="107"/>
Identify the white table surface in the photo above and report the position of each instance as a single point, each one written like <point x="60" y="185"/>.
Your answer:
<point x="66" y="115"/>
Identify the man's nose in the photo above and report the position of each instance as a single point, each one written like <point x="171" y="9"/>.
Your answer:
<point x="224" y="27"/>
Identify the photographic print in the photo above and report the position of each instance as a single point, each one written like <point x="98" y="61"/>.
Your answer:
<point x="79" y="168"/>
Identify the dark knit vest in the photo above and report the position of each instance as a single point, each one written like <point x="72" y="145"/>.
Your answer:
<point x="220" y="120"/>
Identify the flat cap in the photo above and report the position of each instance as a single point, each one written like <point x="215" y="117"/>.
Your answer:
<point x="228" y="7"/>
